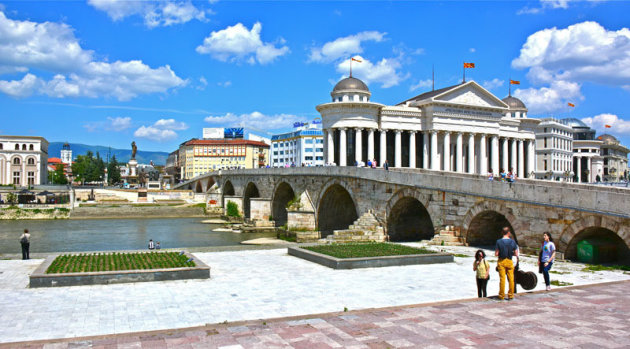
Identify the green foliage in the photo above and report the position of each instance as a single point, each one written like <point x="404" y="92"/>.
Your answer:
<point x="559" y="272"/>
<point x="461" y="255"/>
<point x="58" y="176"/>
<point x="599" y="267"/>
<point x="113" y="172"/>
<point x="560" y="283"/>
<point x="295" y="203"/>
<point x="232" y="209"/>
<point x="370" y="249"/>
<point x="288" y="238"/>
<point x="88" y="168"/>
<point x="11" y="198"/>
<point x="95" y="262"/>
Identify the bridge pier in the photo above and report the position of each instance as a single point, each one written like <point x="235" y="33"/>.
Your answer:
<point x="238" y="200"/>
<point x="260" y="209"/>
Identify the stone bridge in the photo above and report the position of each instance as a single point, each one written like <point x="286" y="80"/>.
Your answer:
<point x="413" y="204"/>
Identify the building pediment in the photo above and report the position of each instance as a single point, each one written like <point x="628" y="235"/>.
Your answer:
<point x="469" y="94"/>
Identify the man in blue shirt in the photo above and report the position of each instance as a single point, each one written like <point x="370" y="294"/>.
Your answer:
<point x="505" y="249"/>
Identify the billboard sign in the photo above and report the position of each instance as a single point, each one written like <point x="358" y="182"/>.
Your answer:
<point x="233" y="132"/>
<point x="212" y="133"/>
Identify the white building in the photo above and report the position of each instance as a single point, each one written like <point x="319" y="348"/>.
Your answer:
<point x="461" y="128"/>
<point x="615" y="158"/>
<point x="23" y="160"/>
<point x="554" y="150"/>
<point x="66" y="154"/>
<point x="304" y="146"/>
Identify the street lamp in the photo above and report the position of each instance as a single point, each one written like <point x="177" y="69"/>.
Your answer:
<point x="549" y="174"/>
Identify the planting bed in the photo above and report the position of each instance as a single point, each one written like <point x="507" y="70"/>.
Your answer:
<point x="117" y="267"/>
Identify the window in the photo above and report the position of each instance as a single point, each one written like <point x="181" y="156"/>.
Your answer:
<point x="31" y="178"/>
<point x="31" y="161"/>
<point x="16" y="177"/>
<point x="545" y="164"/>
<point x="545" y="142"/>
<point x="17" y="147"/>
<point x="30" y="147"/>
<point x="16" y="161"/>
<point x="23" y="146"/>
<point x="309" y="141"/>
<point x="0" y="146"/>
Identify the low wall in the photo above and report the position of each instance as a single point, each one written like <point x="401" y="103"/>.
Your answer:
<point x="369" y="262"/>
<point x="39" y="278"/>
<point x="34" y="213"/>
<point x="130" y="211"/>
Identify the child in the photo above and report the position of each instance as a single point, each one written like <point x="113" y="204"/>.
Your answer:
<point x="482" y="269"/>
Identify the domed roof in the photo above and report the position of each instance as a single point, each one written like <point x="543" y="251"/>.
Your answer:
<point x="608" y="138"/>
<point x="351" y="84"/>
<point x="514" y="103"/>
<point x="573" y="122"/>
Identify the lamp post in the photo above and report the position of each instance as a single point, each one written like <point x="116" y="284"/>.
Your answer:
<point x="549" y="174"/>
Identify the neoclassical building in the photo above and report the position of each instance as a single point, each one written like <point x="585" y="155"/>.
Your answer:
<point x="23" y="160"/>
<point x="460" y="128"/>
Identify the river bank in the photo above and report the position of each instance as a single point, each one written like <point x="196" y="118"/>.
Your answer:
<point x="105" y="211"/>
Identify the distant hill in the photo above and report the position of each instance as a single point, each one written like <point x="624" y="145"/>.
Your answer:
<point x="122" y="155"/>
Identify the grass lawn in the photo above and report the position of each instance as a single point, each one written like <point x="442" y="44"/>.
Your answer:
<point x="93" y="262"/>
<point x="372" y="249"/>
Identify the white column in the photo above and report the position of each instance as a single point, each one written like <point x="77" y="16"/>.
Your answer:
<point x="483" y="155"/>
<point x="425" y="150"/>
<point x="513" y="155"/>
<point x="342" y="147"/>
<point x="370" y="144"/>
<point x="495" y="154"/>
<point x="331" y="145"/>
<point x="531" y="157"/>
<point x="471" y="153"/>
<point x="458" y="153"/>
<point x="358" y="151"/>
<point x="434" y="151"/>
<point x="383" y="147"/>
<point x="504" y="154"/>
<point x="590" y="172"/>
<point x="398" y="149"/>
<point x="447" y="151"/>
<point x="579" y="169"/>
<point x="521" y="159"/>
<point x="412" y="149"/>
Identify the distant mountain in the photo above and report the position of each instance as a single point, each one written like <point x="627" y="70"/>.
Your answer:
<point x="122" y="155"/>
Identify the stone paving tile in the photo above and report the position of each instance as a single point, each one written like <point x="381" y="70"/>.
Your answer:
<point x="534" y="320"/>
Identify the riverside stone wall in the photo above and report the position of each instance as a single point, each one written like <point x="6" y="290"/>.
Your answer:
<point x="128" y="211"/>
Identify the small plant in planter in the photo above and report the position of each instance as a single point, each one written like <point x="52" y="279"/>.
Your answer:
<point x="232" y="209"/>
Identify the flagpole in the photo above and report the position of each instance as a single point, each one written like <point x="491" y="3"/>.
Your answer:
<point x="350" y="66"/>
<point x="464" y="68"/>
<point x="510" y="87"/>
<point x="433" y="77"/>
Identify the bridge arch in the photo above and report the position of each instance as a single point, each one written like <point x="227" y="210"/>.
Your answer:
<point x="198" y="188"/>
<point x="228" y="188"/>
<point x="251" y="191"/>
<point x="282" y="194"/>
<point x="598" y="228"/>
<point x="336" y="209"/>
<point x="209" y="184"/>
<point x="484" y="222"/>
<point x="407" y="216"/>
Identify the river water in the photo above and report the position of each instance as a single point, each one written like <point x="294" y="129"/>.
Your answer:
<point x="115" y="234"/>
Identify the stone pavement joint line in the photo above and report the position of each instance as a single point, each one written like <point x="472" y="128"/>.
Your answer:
<point x="578" y="317"/>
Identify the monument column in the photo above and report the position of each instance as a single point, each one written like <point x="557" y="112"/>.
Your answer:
<point x="398" y="150"/>
<point x="412" y="149"/>
<point x="434" y="154"/>
<point x="521" y="159"/>
<point x="370" y="144"/>
<point x="425" y="150"/>
<point x="358" y="151"/>
<point x="331" y="145"/>
<point x="383" y="147"/>
<point x="483" y="155"/>
<point x="458" y="152"/>
<point x="495" y="154"/>
<point x="471" y="153"/>
<point x="579" y="168"/>
<point x="447" y="151"/>
<point x="342" y="147"/>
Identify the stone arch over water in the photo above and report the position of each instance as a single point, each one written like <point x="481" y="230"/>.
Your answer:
<point x="281" y="197"/>
<point x="228" y="188"/>
<point x="409" y="220"/>
<point x="597" y="228"/>
<point x="251" y="191"/>
<point x="336" y="209"/>
<point x="198" y="188"/>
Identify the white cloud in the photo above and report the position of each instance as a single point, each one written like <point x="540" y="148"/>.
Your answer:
<point x="344" y="47"/>
<point x="238" y="44"/>
<point x="255" y="119"/>
<point x="550" y="99"/>
<point x="421" y="84"/>
<point x="386" y="71"/>
<point x="154" y="13"/>
<point x="53" y="48"/>
<point x="618" y="125"/>
<point x="551" y="4"/>
<point x="492" y="84"/>
<point x="227" y="83"/>
<point x="472" y="50"/>
<point x="119" y="123"/>
<point x="162" y="130"/>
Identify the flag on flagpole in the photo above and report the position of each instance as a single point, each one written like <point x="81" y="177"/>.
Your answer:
<point x="515" y="82"/>
<point x="469" y="65"/>
<point x="356" y="60"/>
<point x="571" y="105"/>
<point x="607" y="126"/>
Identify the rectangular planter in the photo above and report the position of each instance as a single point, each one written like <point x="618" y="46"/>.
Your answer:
<point x="369" y="262"/>
<point x="39" y="278"/>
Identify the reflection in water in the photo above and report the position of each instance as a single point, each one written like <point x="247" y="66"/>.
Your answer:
<point x="115" y="234"/>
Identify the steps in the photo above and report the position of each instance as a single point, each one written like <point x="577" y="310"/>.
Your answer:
<point x="365" y="228"/>
<point x="448" y="236"/>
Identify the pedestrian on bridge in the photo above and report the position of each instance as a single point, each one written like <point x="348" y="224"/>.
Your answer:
<point x="505" y="249"/>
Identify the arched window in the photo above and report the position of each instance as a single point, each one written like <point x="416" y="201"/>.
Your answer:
<point x="17" y="147"/>
<point x="23" y="146"/>
<point x="1" y="146"/>
<point x="30" y="147"/>
<point x="31" y="161"/>
<point x="16" y="161"/>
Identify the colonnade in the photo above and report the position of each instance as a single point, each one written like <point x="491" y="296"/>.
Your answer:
<point x="583" y="171"/>
<point x="464" y="152"/>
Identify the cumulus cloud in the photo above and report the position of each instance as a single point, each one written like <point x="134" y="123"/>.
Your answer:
<point x="344" y="47"/>
<point x="386" y="71"/>
<point x="492" y="84"/>
<point x="161" y="131"/>
<point x="549" y="99"/>
<point x="551" y="4"/>
<point x="239" y="44"/>
<point x="255" y="119"/>
<point x="154" y="13"/>
<point x="598" y="122"/>
<point x="421" y="84"/>
<point x="111" y="124"/>
<point x="53" y="48"/>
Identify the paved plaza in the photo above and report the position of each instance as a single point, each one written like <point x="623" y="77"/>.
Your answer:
<point x="264" y="284"/>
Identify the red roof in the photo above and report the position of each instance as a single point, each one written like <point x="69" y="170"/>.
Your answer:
<point x="54" y="160"/>
<point x="227" y="142"/>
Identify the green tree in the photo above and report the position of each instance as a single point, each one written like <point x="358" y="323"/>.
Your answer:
<point x="88" y="168"/>
<point x="58" y="176"/>
<point x="113" y="172"/>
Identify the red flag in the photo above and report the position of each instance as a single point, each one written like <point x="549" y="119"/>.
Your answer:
<point x="515" y="82"/>
<point x="607" y="126"/>
<point x="571" y="105"/>
<point x="469" y="65"/>
<point x="356" y="60"/>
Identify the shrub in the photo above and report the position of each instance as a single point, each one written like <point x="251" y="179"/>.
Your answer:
<point x="232" y="209"/>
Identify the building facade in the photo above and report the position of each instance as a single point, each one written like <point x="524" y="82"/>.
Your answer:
<point x="199" y="156"/>
<point x="461" y="128"/>
<point x="302" y="147"/>
<point x="554" y="150"/>
<point x="615" y="158"/>
<point x="23" y="160"/>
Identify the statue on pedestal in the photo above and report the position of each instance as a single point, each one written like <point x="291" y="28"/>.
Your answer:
<point x="134" y="149"/>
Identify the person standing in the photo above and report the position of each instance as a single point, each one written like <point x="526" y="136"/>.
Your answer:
<point x="151" y="244"/>
<point x="546" y="258"/>
<point x="25" y="241"/>
<point x="482" y="269"/>
<point x="386" y="165"/>
<point x="505" y="249"/>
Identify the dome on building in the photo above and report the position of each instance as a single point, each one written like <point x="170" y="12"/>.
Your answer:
<point x="351" y="83"/>
<point x="573" y="122"/>
<point x="606" y="138"/>
<point x="514" y="103"/>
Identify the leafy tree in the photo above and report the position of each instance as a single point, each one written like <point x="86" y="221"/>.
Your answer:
<point x="113" y="172"/>
<point x="88" y="168"/>
<point x="12" y="198"/>
<point x="58" y="176"/>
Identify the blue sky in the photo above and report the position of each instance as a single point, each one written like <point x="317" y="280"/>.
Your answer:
<point x="108" y="72"/>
